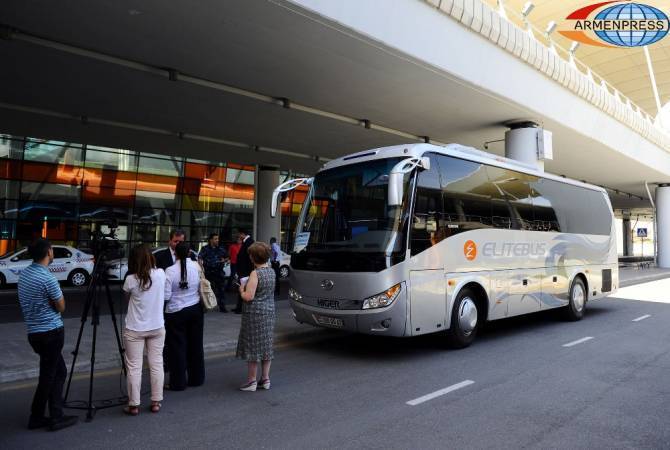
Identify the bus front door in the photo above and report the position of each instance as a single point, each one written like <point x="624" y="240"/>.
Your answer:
<point x="428" y="300"/>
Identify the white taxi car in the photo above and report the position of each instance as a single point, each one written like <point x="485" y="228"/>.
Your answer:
<point x="284" y="265"/>
<point x="70" y="264"/>
<point x="117" y="269"/>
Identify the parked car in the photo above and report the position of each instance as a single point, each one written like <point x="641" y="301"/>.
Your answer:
<point x="284" y="265"/>
<point x="69" y="264"/>
<point x="118" y="268"/>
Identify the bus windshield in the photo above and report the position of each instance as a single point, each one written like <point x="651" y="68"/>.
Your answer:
<point x="346" y="223"/>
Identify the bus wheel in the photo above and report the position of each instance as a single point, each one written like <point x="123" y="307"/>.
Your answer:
<point x="464" y="320"/>
<point x="577" y="303"/>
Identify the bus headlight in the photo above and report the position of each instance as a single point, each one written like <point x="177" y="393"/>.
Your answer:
<point x="293" y="294"/>
<point x="383" y="299"/>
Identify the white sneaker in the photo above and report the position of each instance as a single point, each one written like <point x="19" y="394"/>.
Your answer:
<point x="249" y="387"/>
<point x="264" y="384"/>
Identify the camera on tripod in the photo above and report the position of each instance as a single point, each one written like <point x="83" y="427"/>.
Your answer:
<point x="107" y="245"/>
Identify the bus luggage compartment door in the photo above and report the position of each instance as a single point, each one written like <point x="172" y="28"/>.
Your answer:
<point x="554" y="288"/>
<point x="524" y="292"/>
<point x="428" y="301"/>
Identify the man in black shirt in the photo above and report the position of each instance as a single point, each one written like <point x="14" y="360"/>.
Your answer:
<point x="166" y="257"/>
<point x="212" y="257"/>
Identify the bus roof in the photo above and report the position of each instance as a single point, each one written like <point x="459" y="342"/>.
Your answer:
<point x="455" y="150"/>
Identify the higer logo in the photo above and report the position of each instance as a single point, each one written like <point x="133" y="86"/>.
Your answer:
<point x="470" y="250"/>
<point x="617" y="24"/>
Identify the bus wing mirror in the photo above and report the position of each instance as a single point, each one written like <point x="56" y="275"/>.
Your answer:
<point x="397" y="176"/>
<point x="286" y="187"/>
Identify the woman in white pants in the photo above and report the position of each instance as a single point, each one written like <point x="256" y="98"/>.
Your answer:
<point x="145" y="291"/>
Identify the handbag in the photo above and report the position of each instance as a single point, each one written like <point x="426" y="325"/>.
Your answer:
<point x="207" y="296"/>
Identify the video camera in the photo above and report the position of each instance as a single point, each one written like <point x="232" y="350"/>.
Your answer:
<point x="107" y="245"/>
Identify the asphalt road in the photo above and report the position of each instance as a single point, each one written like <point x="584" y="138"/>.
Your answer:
<point x="520" y="387"/>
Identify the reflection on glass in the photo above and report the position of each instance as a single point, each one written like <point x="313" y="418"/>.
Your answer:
<point x="37" y="211"/>
<point x="106" y="158"/>
<point x="50" y="192"/>
<point x="240" y="176"/>
<point x="157" y="215"/>
<point x="53" y="152"/>
<point x="155" y="200"/>
<point x="70" y="190"/>
<point x="97" y="213"/>
<point x="9" y="189"/>
<point x="11" y="147"/>
<point x="8" y="209"/>
<point x="159" y="166"/>
<point x="234" y="204"/>
<point x="7" y="229"/>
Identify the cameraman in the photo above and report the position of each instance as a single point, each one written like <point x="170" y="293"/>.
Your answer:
<point x="42" y="303"/>
<point x="212" y="257"/>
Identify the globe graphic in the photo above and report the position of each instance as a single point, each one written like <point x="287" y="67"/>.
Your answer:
<point x="632" y="38"/>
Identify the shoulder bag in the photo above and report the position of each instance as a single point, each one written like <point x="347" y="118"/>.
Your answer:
<point x="207" y="296"/>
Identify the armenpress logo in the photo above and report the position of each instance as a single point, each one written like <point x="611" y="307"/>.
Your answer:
<point x="617" y="24"/>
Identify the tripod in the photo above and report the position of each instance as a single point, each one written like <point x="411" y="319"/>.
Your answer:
<point x="99" y="281"/>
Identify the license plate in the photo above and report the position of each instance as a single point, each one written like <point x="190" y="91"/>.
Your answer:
<point x="329" y="321"/>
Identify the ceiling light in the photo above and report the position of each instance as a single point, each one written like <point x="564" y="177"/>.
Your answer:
<point x="574" y="47"/>
<point x="551" y="27"/>
<point x="527" y="8"/>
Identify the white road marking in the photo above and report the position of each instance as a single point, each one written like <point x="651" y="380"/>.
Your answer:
<point x="432" y="395"/>
<point x="646" y="316"/>
<point x="578" y="341"/>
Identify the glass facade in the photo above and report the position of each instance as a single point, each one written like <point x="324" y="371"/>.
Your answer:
<point x="65" y="191"/>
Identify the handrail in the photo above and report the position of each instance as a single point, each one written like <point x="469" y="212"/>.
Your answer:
<point x="286" y="187"/>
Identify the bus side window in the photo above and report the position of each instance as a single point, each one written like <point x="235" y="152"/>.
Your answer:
<point x="543" y="210"/>
<point x="467" y="195"/>
<point x="513" y="189"/>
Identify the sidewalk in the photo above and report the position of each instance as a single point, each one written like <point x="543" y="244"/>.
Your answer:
<point x="19" y="362"/>
<point x="628" y="276"/>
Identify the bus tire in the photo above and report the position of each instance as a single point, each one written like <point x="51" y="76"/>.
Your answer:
<point x="577" y="301"/>
<point x="465" y="319"/>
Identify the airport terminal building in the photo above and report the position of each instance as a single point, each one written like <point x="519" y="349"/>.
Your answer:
<point x="121" y="118"/>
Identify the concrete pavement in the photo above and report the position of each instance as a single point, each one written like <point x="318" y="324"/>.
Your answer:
<point x="18" y="362"/>
<point x="628" y="276"/>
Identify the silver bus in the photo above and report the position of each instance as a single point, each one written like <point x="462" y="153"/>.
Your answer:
<point x="415" y="239"/>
